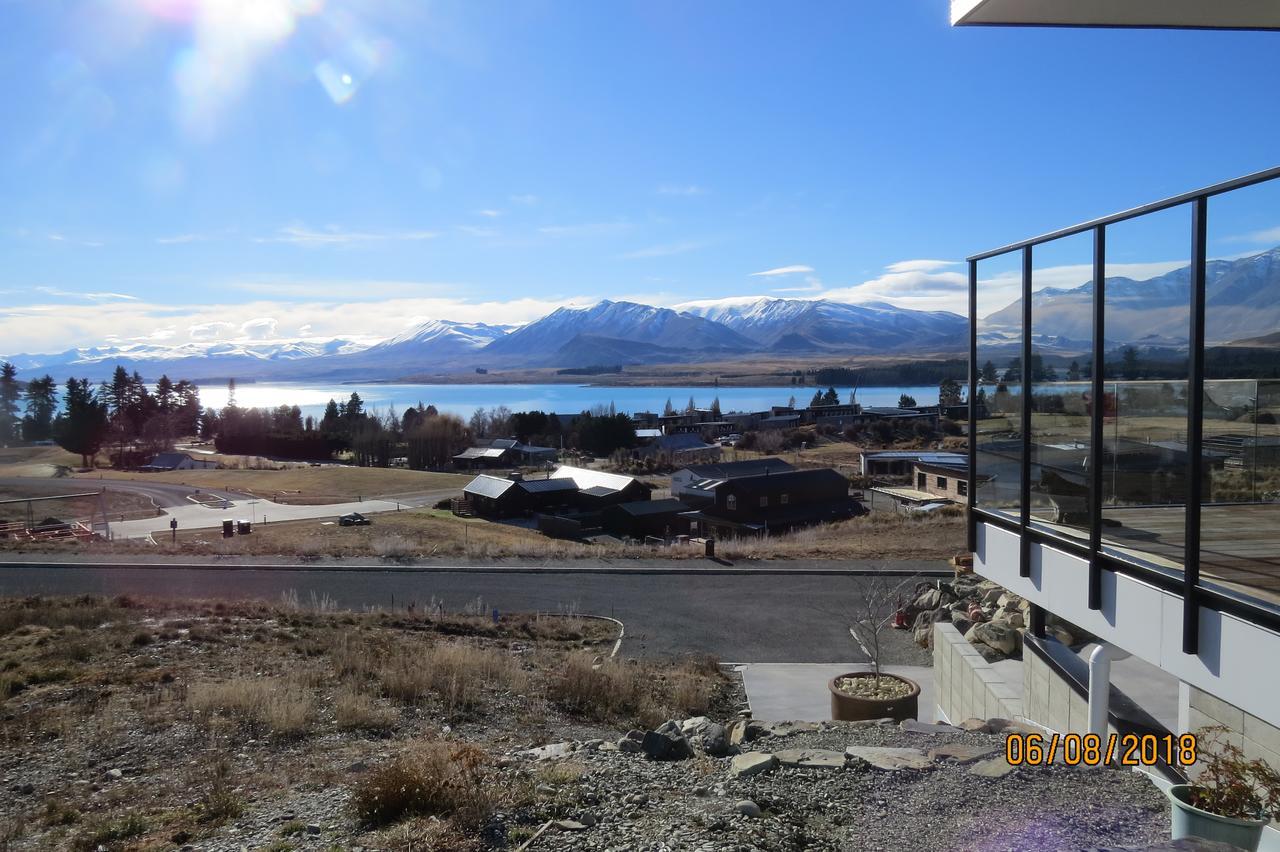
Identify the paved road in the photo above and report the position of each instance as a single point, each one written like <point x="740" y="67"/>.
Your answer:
<point x="739" y="618"/>
<point x="162" y="494"/>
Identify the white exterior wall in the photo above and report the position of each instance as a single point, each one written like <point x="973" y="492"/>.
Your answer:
<point x="1237" y="662"/>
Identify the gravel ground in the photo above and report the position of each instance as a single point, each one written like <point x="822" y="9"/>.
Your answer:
<point x="636" y="803"/>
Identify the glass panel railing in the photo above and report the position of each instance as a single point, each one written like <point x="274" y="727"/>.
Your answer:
<point x="1147" y="331"/>
<point x="998" y="401"/>
<point x="1240" y="509"/>
<point x="1061" y="368"/>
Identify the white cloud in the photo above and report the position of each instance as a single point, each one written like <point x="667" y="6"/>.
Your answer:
<point x="335" y="236"/>
<point x="259" y="328"/>
<point x="920" y="265"/>
<point x="289" y="288"/>
<point x="209" y="330"/>
<point x="489" y="214"/>
<point x="783" y="270"/>
<point x="681" y="189"/>
<point x="478" y="231"/>
<point x="1269" y="236"/>
<point x="663" y="250"/>
<point x="92" y="297"/>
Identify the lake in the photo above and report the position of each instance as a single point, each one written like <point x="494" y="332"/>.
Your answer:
<point x="463" y="400"/>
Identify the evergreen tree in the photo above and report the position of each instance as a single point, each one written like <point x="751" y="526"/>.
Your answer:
<point x="715" y="409"/>
<point x="42" y="404"/>
<point x="668" y="409"/>
<point x="906" y="400"/>
<point x="791" y="403"/>
<point x="1073" y="372"/>
<point x="82" y="427"/>
<point x="831" y="397"/>
<point x="9" y="394"/>
<point x="817" y="399"/>
<point x="988" y="373"/>
<point x="166" y="398"/>
<point x="949" y="392"/>
<point x="1129" y="362"/>
<point x="691" y="407"/>
<point x="231" y="393"/>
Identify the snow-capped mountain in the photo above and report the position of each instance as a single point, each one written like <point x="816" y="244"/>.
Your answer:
<point x="1242" y="300"/>
<point x="460" y="335"/>
<point x="670" y="331"/>
<point x="818" y="324"/>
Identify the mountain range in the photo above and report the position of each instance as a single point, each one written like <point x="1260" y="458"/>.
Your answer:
<point x="1242" y="308"/>
<point x="608" y="332"/>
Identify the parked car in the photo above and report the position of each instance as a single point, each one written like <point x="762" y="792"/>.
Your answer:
<point x="355" y="519"/>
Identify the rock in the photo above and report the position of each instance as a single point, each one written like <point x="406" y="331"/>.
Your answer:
<point x="588" y="819"/>
<point x="975" y="725"/>
<point x="890" y="759"/>
<point x="931" y="599"/>
<point x="923" y="619"/>
<point x="637" y="799"/>
<point x="114" y="774"/>
<point x="747" y="808"/>
<point x="915" y="726"/>
<point x="923" y="636"/>
<point x="810" y="758"/>
<point x="995" y="767"/>
<point x="626" y="745"/>
<point x="569" y="825"/>
<point x="26" y="789"/>
<point x="961" y="622"/>
<point x="752" y="763"/>
<point x="941" y="614"/>
<point x="714" y="740"/>
<point x="544" y="790"/>
<point x="695" y="725"/>
<point x="961" y="753"/>
<point x="313" y="828"/>
<point x="745" y="731"/>
<point x="554" y="751"/>
<point x="998" y="635"/>
<point x="666" y="743"/>
<point x="786" y="729"/>
<point x="991" y="655"/>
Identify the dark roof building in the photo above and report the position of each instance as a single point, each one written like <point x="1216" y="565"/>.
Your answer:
<point x="774" y="502"/>
<point x="642" y="518"/>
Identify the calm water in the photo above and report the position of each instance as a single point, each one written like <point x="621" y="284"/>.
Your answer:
<point x="463" y="400"/>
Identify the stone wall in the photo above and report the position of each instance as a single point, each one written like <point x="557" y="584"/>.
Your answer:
<point x="966" y="685"/>
<point x="1254" y="737"/>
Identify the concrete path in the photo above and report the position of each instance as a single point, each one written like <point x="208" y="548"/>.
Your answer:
<point x="194" y="516"/>
<point x="798" y="691"/>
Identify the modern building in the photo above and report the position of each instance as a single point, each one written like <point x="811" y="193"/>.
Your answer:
<point x="502" y="453"/>
<point x="684" y="480"/>
<point x="769" y="502"/>
<point x="1152" y="521"/>
<point x="643" y="518"/>
<point x="179" y="461"/>
<point x="899" y="463"/>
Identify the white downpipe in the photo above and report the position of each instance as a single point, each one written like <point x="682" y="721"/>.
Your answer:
<point x="1100" y="685"/>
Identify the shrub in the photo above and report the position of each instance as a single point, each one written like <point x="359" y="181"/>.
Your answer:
<point x="433" y="779"/>
<point x="645" y="694"/>
<point x="457" y="674"/>
<point x="103" y="833"/>
<point x="353" y="710"/>
<point x="393" y="546"/>
<point x="281" y="707"/>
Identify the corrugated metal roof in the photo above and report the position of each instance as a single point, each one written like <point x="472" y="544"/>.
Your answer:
<point x="588" y="479"/>
<point x="542" y="486"/>
<point x="600" y="491"/>
<point x="751" y="467"/>
<point x="928" y="458"/>
<point x="488" y="486"/>
<point x="639" y="508"/>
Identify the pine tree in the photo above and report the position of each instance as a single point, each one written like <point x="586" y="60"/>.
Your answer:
<point x="691" y="407"/>
<point x="82" y="427"/>
<point x="831" y="397"/>
<point x="817" y="399"/>
<point x="669" y="409"/>
<point x="906" y="400"/>
<point x="715" y="409"/>
<point x="9" y="394"/>
<point x="42" y="404"/>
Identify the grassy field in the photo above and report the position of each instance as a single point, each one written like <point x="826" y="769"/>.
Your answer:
<point x="151" y="725"/>
<point x="332" y="484"/>
<point x="428" y="533"/>
<point x="117" y="504"/>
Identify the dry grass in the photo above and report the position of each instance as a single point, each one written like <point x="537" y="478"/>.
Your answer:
<point x="353" y="710"/>
<point x="632" y="693"/>
<point x="305" y="484"/>
<point x="282" y="707"/>
<point x="427" y="779"/>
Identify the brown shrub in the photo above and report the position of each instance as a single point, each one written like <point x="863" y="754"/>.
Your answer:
<point x="455" y="673"/>
<point x="630" y="692"/>
<point x="431" y="779"/>
<point x="354" y="710"/>
<point x="279" y="706"/>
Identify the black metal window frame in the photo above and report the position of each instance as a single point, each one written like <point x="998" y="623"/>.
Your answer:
<point x="1186" y="583"/>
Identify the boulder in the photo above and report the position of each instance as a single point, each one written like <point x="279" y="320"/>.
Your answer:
<point x="989" y="654"/>
<point x="752" y="763"/>
<point x="666" y="743"/>
<point x="961" y="622"/>
<point x="713" y="740"/>
<point x="747" y="808"/>
<point x="554" y="751"/>
<point x="998" y="635"/>
<point x="980" y="726"/>
<point x="1062" y="634"/>
<point x="746" y="730"/>
<point x="992" y="767"/>
<point x="929" y="600"/>
<point x="992" y="596"/>
<point x="923" y="636"/>
<point x="942" y="613"/>
<point x="689" y="727"/>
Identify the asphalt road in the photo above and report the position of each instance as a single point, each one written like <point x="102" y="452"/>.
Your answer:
<point x="741" y="618"/>
<point x="164" y="495"/>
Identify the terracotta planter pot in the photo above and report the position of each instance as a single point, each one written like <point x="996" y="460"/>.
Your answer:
<point x="851" y="708"/>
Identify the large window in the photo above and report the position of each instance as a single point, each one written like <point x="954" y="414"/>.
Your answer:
<point x="998" y="400"/>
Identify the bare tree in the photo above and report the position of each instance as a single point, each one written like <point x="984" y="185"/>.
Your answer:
<point x="871" y="611"/>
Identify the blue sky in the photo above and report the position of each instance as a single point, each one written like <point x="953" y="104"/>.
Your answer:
<point x="178" y="170"/>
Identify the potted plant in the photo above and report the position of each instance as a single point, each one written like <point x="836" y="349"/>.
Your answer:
<point x="1231" y="799"/>
<point x="873" y="694"/>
